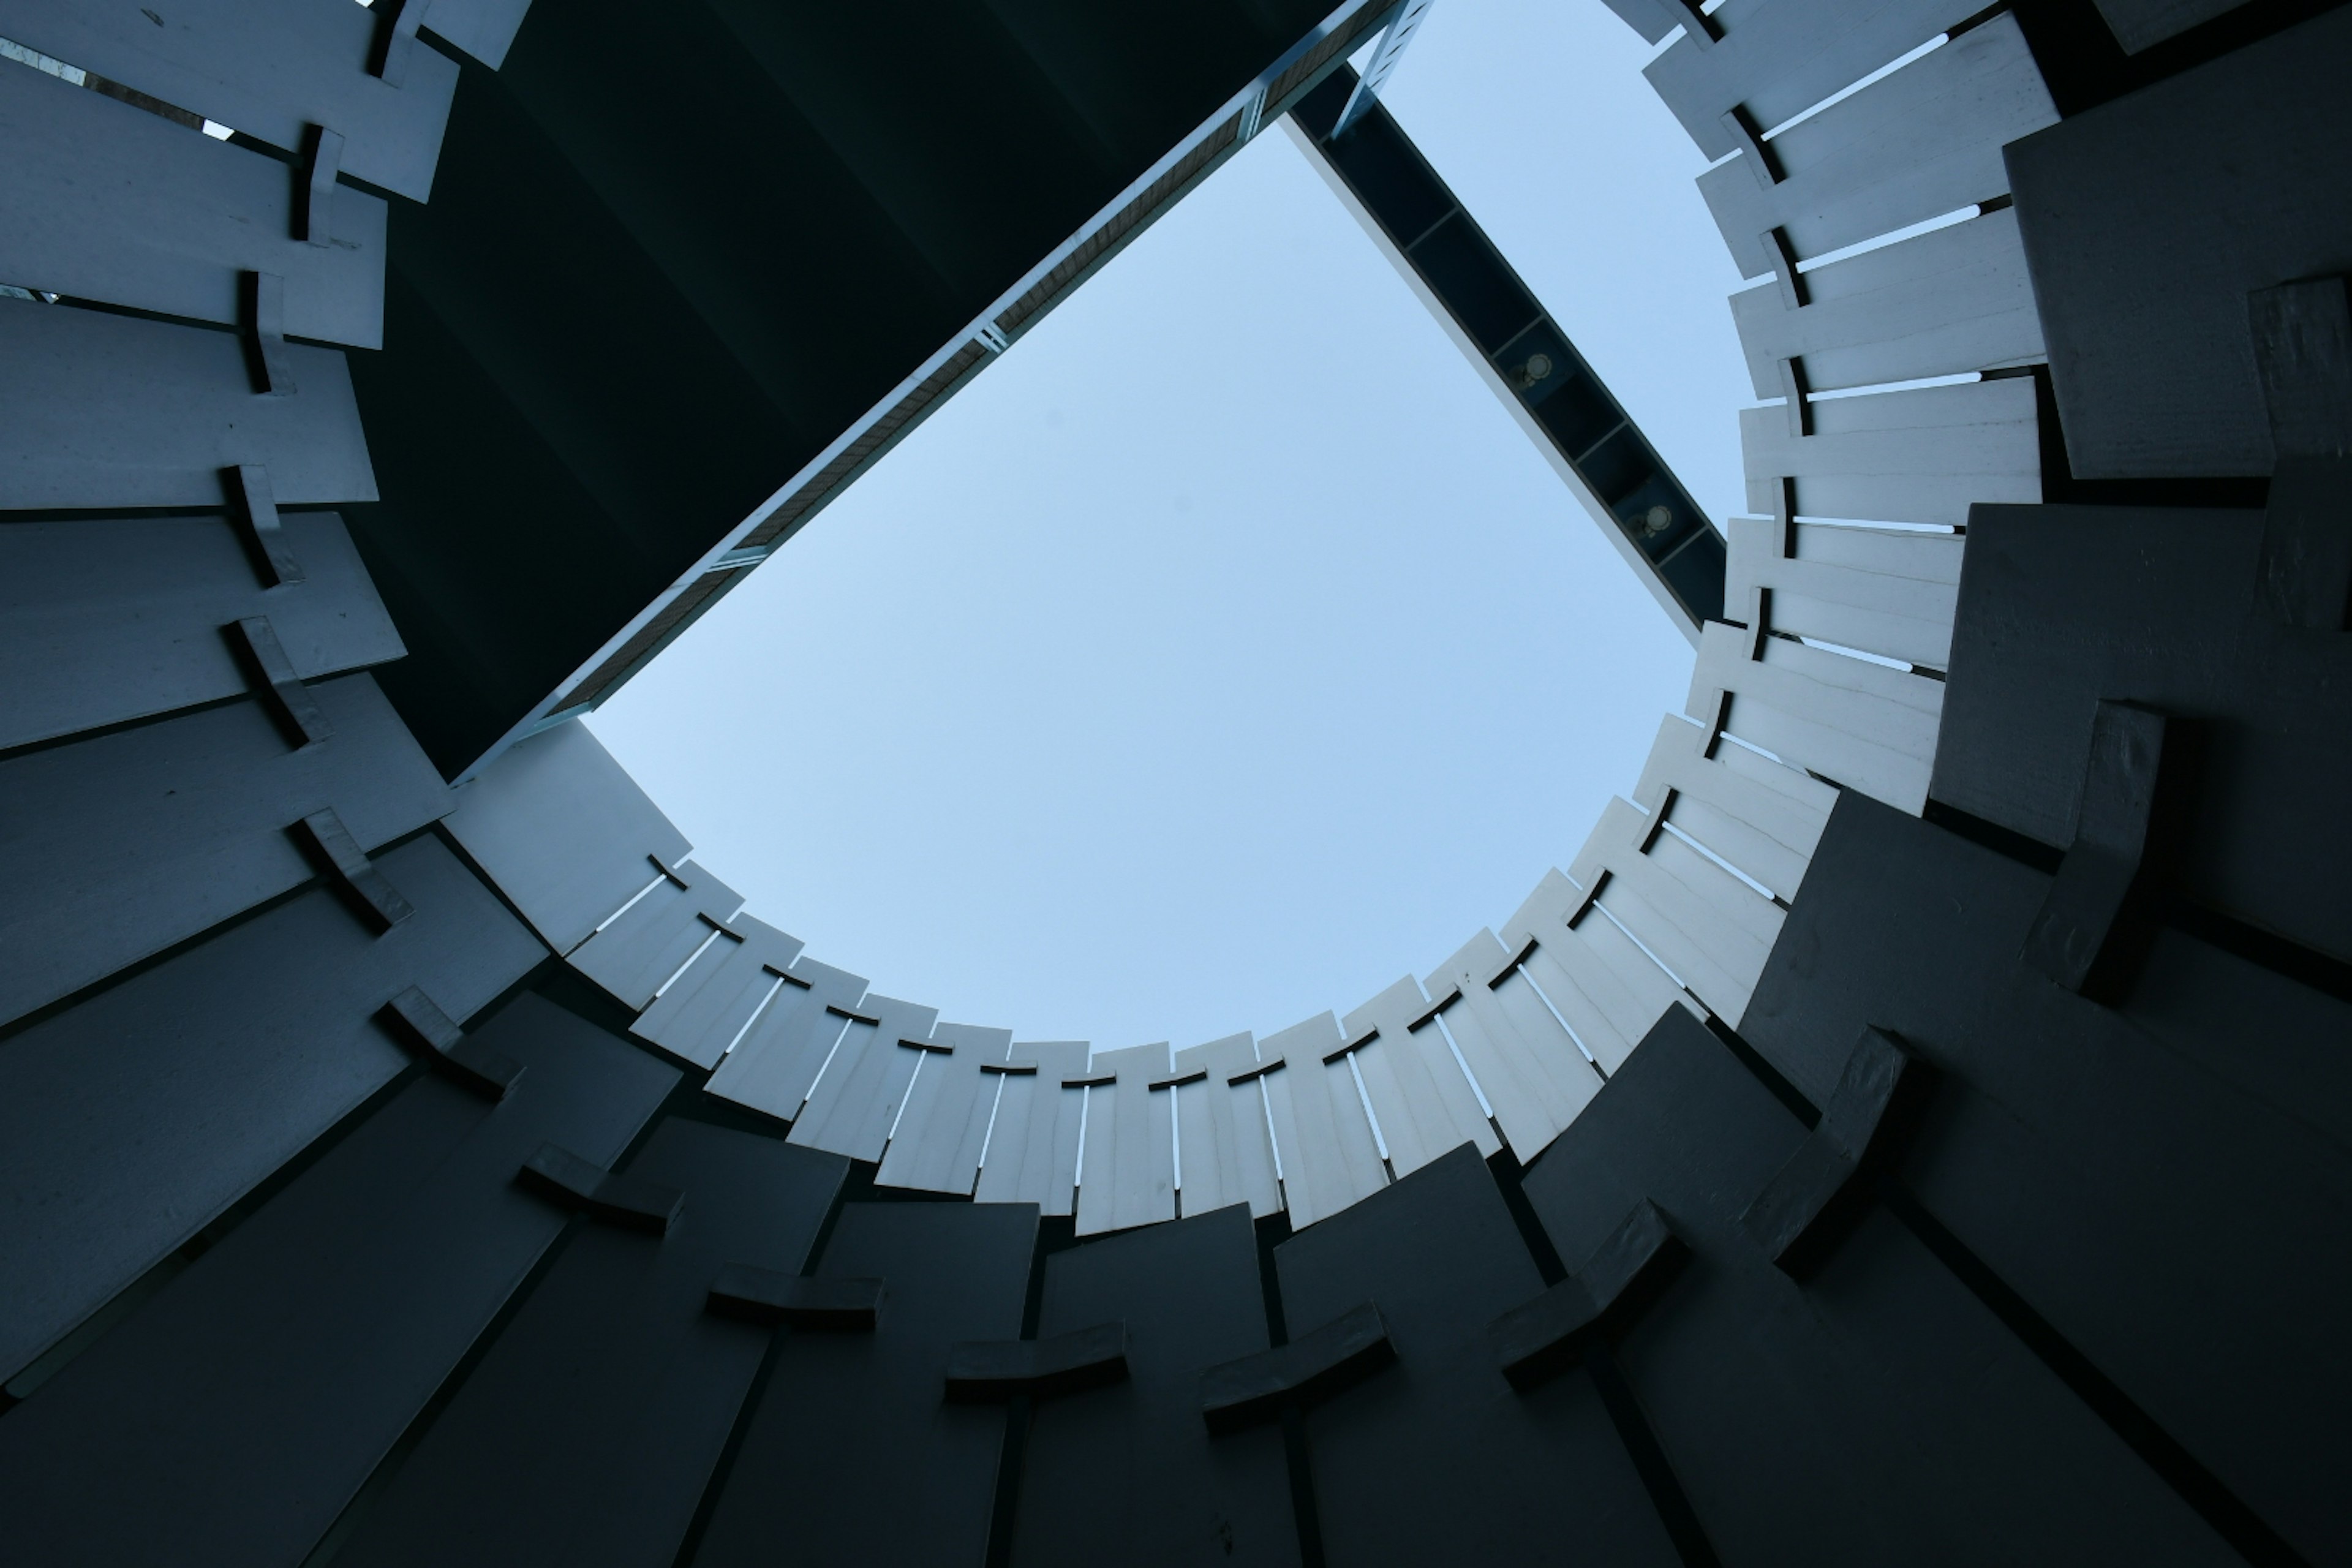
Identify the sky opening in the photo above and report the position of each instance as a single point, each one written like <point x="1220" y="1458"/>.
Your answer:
<point x="1225" y="650"/>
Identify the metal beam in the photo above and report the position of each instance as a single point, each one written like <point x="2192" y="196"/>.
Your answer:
<point x="1525" y="358"/>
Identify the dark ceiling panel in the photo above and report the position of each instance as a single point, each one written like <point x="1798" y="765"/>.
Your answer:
<point x="673" y="253"/>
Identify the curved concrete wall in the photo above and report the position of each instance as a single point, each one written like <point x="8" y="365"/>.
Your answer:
<point x="1914" y="1127"/>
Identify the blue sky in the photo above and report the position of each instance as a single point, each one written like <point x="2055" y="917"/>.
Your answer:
<point x="1224" y="650"/>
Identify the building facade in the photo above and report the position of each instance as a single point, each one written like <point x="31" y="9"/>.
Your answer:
<point x="1913" y="1127"/>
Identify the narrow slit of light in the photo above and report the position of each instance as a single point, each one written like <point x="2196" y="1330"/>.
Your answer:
<point x="986" y="1139"/>
<point x="1855" y="653"/>
<point x="1566" y="1027"/>
<point x="1963" y="378"/>
<point x="1892" y="237"/>
<point x="1086" y="1103"/>
<point x="1266" y="1104"/>
<point x="715" y="934"/>
<point x="76" y="77"/>
<point x="1808" y="519"/>
<point x="762" y="1008"/>
<point x="1176" y="1139"/>
<point x="1445" y="1034"/>
<point x="1372" y="1116"/>
<point x="1880" y="74"/>
<point x="904" y="1100"/>
<point x="13" y="50"/>
<point x="826" y="1066"/>
<point x="632" y="904"/>
<point x="1752" y="746"/>
<point x="1753" y="886"/>
<point x="1838" y="393"/>
<point x="1663" y="967"/>
<point x="1886" y="524"/>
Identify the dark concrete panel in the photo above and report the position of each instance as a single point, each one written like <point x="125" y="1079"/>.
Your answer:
<point x="1130" y="1474"/>
<point x="853" y="1455"/>
<point x="121" y="844"/>
<point x="1876" y="1413"/>
<point x="129" y="1121"/>
<point x="113" y="619"/>
<point x="589" y="1432"/>
<point x="564" y="832"/>
<point x="271" y="68"/>
<point x="101" y="410"/>
<point x="2064" y="606"/>
<point x="2149" y="219"/>
<point x="2189" y="1236"/>
<point x="1437" y="1459"/>
<point x="235" y="1416"/>
<point x="2141" y="23"/>
<point x="2201" y="1002"/>
<point x="107" y="201"/>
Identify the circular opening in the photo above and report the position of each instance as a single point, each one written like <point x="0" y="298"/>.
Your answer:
<point x="1239" y="651"/>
